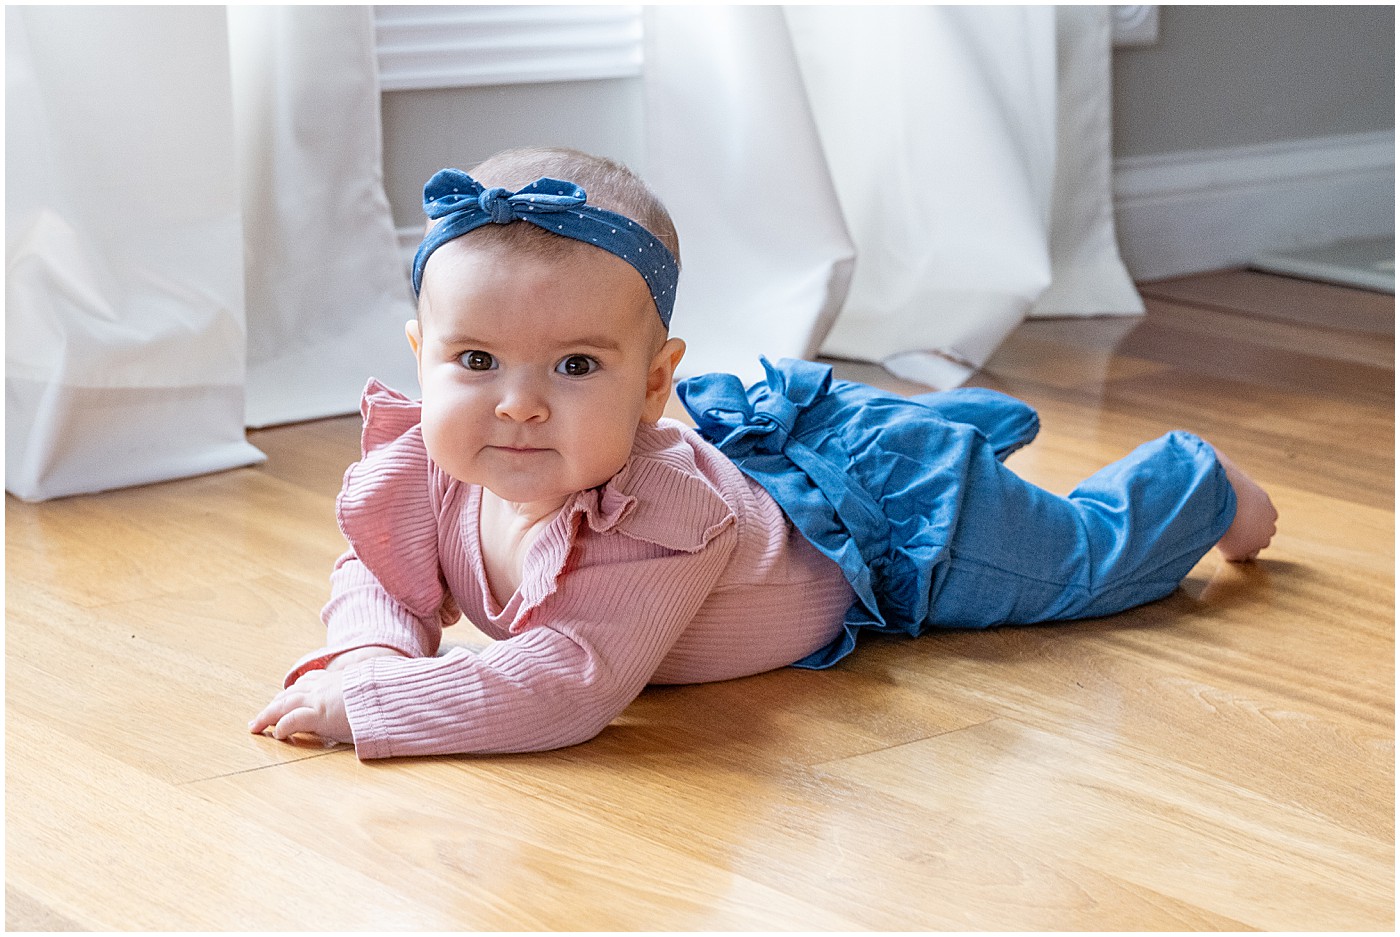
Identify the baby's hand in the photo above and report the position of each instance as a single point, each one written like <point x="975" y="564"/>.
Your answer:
<point x="314" y="704"/>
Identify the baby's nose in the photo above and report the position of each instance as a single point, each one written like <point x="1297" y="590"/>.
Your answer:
<point x="523" y="402"/>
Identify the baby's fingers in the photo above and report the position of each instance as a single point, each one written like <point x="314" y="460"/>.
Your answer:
<point x="301" y="719"/>
<point x="312" y="706"/>
<point x="281" y="705"/>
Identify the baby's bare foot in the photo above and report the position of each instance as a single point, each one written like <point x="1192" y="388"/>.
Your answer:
<point x="1255" y="517"/>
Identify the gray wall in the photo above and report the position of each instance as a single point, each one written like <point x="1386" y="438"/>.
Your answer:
<point x="1222" y="76"/>
<point x="425" y="131"/>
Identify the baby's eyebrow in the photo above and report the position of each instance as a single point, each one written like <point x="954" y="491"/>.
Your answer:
<point x="598" y="342"/>
<point x="454" y="340"/>
<point x="595" y="342"/>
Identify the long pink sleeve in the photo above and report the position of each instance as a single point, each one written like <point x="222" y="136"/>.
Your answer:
<point x="592" y="649"/>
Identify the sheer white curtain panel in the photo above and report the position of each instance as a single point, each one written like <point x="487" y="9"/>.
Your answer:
<point x="734" y="154"/>
<point x="124" y="329"/>
<point x="956" y="155"/>
<point x="195" y="227"/>
<point x="327" y="294"/>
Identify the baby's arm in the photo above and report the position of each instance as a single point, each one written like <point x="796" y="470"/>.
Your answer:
<point x="1255" y="520"/>
<point x="362" y="622"/>
<point x="590" y="649"/>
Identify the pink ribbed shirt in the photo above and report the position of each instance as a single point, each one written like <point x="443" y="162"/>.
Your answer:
<point x="678" y="570"/>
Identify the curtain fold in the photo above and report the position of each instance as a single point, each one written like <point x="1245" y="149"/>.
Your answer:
<point x="1088" y="277"/>
<point x="732" y="150"/>
<point x="955" y="141"/>
<point x="197" y="237"/>
<point x="327" y="295"/>
<point x="124" y="330"/>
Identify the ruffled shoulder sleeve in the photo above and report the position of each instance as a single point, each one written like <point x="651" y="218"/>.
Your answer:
<point x="388" y="504"/>
<point x="387" y="415"/>
<point x="669" y="493"/>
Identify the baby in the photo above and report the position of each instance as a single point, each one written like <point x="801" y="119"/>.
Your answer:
<point x="537" y="489"/>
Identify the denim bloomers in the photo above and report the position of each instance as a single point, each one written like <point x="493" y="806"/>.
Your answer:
<point x="908" y="495"/>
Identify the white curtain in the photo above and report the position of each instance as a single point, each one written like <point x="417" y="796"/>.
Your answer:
<point x="958" y="155"/>
<point x="195" y="227"/>
<point x="734" y="154"/>
<point x="327" y="295"/>
<point x="124" y="271"/>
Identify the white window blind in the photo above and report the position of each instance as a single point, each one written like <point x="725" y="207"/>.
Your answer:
<point x="461" y="46"/>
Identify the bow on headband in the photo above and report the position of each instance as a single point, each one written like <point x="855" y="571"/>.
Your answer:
<point x="459" y="204"/>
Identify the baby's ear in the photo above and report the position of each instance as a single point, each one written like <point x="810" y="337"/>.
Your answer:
<point x="414" y="330"/>
<point x="660" y="378"/>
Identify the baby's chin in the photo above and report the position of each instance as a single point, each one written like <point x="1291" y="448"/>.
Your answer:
<point x="533" y="477"/>
<point x="541" y="495"/>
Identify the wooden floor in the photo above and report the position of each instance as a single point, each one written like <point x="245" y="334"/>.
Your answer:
<point x="1220" y="760"/>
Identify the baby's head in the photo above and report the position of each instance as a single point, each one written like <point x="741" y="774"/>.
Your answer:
<point x="539" y="353"/>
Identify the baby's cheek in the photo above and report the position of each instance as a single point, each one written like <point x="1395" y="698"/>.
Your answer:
<point x="429" y="428"/>
<point x="444" y="439"/>
<point x="605" y="454"/>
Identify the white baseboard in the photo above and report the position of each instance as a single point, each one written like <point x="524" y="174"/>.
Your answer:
<point x="1182" y="213"/>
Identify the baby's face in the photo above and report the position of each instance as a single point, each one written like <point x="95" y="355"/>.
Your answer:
<point x="536" y="372"/>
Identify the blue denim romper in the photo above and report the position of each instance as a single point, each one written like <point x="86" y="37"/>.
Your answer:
<point x="909" y="496"/>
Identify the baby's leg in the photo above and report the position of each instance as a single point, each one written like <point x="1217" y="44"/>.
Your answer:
<point x="1255" y="516"/>
<point x="1128" y="534"/>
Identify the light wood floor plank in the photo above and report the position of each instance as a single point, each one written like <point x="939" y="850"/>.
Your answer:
<point x="463" y="837"/>
<point x="167" y="684"/>
<point x="115" y="849"/>
<point x="1183" y="833"/>
<point x="1282" y="298"/>
<point x="142" y="542"/>
<point x="807" y="833"/>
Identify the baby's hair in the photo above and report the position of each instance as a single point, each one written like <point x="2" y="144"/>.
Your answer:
<point x="609" y="184"/>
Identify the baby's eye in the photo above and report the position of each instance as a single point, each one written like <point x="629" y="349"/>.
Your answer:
<point x="477" y="361"/>
<point x="577" y="366"/>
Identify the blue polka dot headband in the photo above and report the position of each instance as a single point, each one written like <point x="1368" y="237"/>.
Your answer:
<point x="458" y="203"/>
